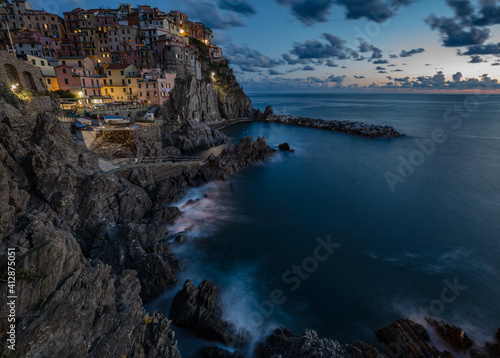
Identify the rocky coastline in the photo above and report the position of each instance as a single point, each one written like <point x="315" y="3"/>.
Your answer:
<point x="92" y="247"/>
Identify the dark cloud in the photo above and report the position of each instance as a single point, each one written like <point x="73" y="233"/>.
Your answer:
<point x="381" y="62"/>
<point x="397" y="70"/>
<point x="307" y="52"/>
<point x="210" y="14"/>
<point x="393" y="56"/>
<point x="330" y="63"/>
<point x="476" y="59"/>
<point x="412" y="52"/>
<point x="308" y="68"/>
<point x="239" y="6"/>
<point x="380" y="68"/>
<point x="248" y="59"/>
<point x="336" y="79"/>
<point x="273" y="72"/>
<point x="495" y="64"/>
<point x="359" y="77"/>
<point x="314" y="11"/>
<point x="469" y="25"/>
<point x="366" y="47"/>
<point x="488" y="49"/>
<point x="455" y="34"/>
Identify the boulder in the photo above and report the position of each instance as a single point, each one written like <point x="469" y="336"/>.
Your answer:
<point x="454" y="336"/>
<point x="285" y="147"/>
<point x="193" y="135"/>
<point x="285" y="344"/>
<point x="201" y="310"/>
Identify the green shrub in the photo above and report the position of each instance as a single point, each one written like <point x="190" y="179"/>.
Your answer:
<point x="8" y="96"/>
<point x="25" y="96"/>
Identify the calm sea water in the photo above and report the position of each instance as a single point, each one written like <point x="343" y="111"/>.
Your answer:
<point x="428" y="245"/>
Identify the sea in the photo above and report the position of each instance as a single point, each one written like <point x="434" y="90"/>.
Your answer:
<point x="348" y="233"/>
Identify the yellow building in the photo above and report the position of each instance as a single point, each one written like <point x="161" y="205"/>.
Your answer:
<point x="46" y="67"/>
<point x="120" y="82"/>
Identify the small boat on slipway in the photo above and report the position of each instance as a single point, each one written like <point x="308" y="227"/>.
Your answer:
<point x="115" y="120"/>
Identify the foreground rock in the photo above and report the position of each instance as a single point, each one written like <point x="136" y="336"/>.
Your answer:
<point x="357" y="128"/>
<point x="193" y="135"/>
<point x="235" y="158"/>
<point x="201" y="309"/>
<point x="283" y="343"/>
<point x="405" y="338"/>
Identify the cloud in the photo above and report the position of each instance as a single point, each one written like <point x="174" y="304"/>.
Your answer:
<point x="495" y="64"/>
<point x="381" y="62"/>
<point x="294" y="83"/>
<point x="359" y="77"/>
<point x="308" y="68"/>
<point x="210" y="14"/>
<point x="248" y="59"/>
<point x="455" y="34"/>
<point x="380" y="68"/>
<point x="468" y="26"/>
<point x="311" y="12"/>
<point x="476" y="59"/>
<point x="412" y="52"/>
<point x="489" y="49"/>
<point x="438" y="82"/>
<point x="397" y="70"/>
<point x="273" y="72"/>
<point x="238" y="6"/>
<point x="330" y="63"/>
<point x="393" y="56"/>
<point x="306" y="52"/>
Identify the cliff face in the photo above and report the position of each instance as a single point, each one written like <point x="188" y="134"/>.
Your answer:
<point x="216" y="96"/>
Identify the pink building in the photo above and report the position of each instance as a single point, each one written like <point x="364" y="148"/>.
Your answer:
<point x="215" y="53"/>
<point x="155" y="85"/>
<point x="82" y="82"/>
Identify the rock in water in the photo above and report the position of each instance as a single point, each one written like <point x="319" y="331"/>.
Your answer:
<point x="454" y="336"/>
<point x="285" y="344"/>
<point x="408" y="339"/>
<point x="201" y="309"/>
<point x="193" y="135"/>
<point x="285" y="147"/>
<point x="235" y="158"/>
<point x="268" y="111"/>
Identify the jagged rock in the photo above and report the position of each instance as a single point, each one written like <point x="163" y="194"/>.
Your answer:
<point x="201" y="309"/>
<point x="235" y="158"/>
<point x="268" y="111"/>
<point x="285" y="344"/>
<point x="357" y="128"/>
<point x="454" y="336"/>
<point x="196" y="99"/>
<point x="194" y="135"/>
<point x="408" y="339"/>
<point x="285" y="147"/>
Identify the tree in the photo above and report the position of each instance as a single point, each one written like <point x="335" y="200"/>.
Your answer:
<point x="64" y="94"/>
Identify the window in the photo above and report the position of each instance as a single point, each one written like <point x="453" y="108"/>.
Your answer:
<point x="64" y="63"/>
<point x="85" y="92"/>
<point x="48" y="81"/>
<point x="129" y="82"/>
<point x="79" y="63"/>
<point x="125" y="90"/>
<point x="33" y="62"/>
<point x="64" y="70"/>
<point x="147" y="93"/>
<point x="66" y="82"/>
<point x="112" y="90"/>
<point x="121" y="73"/>
<point x="109" y="73"/>
<point x="42" y="63"/>
<point x="140" y="94"/>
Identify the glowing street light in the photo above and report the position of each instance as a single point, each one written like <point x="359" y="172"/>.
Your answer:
<point x="13" y="87"/>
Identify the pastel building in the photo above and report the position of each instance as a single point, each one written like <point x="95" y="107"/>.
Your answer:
<point x="120" y="82"/>
<point x="155" y="85"/>
<point x="82" y="82"/>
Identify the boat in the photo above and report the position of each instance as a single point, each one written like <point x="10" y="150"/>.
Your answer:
<point x="80" y="125"/>
<point x="118" y="121"/>
<point x="115" y="120"/>
<point x="84" y="121"/>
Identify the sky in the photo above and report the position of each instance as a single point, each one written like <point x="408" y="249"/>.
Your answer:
<point x="348" y="45"/>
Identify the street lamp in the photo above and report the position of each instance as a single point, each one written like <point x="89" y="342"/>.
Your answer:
<point x="83" y="99"/>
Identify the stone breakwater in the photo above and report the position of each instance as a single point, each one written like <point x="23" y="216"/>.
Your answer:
<point x="357" y="128"/>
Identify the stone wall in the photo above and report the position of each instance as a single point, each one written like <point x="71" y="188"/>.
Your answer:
<point x="27" y="76"/>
